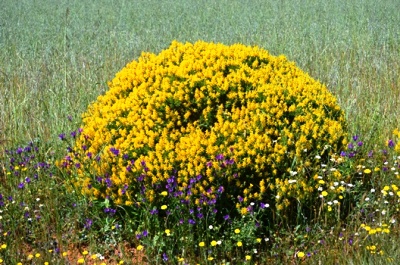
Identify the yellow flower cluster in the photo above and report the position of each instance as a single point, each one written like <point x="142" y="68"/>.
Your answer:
<point x="195" y="109"/>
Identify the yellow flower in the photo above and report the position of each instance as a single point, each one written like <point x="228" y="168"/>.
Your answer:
<point x="81" y="261"/>
<point x="239" y="244"/>
<point x="168" y="232"/>
<point x="4" y="246"/>
<point x="30" y="256"/>
<point x="214" y="243"/>
<point x="202" y="244"/>
<point x="367" y="171"/>
<point x="258" y="240"/>
<point x="164" y="193"/>
<point x="210" y="258"/>
<point x="237" y="231"/>
<point x="248" y="257"/>
<point x="139" y="248"/>
<point x="85" y="252"/>
<point x="163" y="207"/>
<point x="324" y="193"/>
<point x="64" y="254"/>
<point x="300" y="254"/>
<point x="37" y="255"/>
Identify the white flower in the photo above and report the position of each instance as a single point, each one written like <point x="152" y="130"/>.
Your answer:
<point x="292" y="181"/>
<point x="210" y="227"/>
<point x="367" y="199"/>
<point x="317" y="157"/>
<point x="372" y="190"/>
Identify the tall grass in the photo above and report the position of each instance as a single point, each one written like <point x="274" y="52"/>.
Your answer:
<point x="56" y="57"/>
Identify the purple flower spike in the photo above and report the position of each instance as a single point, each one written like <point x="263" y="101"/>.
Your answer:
<point x="355" y="138"/>
<point x="391" y="143"/>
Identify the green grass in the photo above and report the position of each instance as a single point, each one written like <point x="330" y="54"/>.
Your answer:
<point x="57" y="56"/>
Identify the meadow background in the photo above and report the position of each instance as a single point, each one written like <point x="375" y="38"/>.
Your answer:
<point x="57" y="56"/>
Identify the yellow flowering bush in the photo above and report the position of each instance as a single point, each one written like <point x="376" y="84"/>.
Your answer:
<point x="198" y="119"/>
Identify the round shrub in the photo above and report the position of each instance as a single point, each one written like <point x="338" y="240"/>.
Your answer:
<point x="199" y="119"/>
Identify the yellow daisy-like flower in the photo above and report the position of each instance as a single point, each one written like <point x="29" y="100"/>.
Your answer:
<point x="163" y="207"/>
<point x="214" y="243"/>
<point x="300" y="254"/>
<point x="239" y="244"/>
<point x="237" y="231"/>
<point x="202" y="244"/>
<point x="324" y="193"/>
<point x="140" y="247"/>
<point x="4" y="246"/>
<point x="81" y="261"/>
<point x="248" y="257"/>
<point x="367" y="171"/>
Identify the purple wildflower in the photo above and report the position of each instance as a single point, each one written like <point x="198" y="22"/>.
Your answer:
<point x="61" y="136"/>
<point x="390" y="143"/>
<point x="88" y="223"/>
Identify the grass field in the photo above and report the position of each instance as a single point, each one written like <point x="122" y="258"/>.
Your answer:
<point x="57" y="56"/>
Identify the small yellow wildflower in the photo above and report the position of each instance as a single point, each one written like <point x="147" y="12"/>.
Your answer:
<point x="214" y="243"/>
<point x="139" y="248"/>
<point x="81" y="261"/>
<point x="168" y="232"/>
<point x="237" y="231"/>
<point x="202" y="244"/>
<point x="164" y="193"/>
<point x="64" y="254"/>
<point x="324" y="193"/>
<point x="30" y="256"/>
<point x="300" y="254"/>
<point x="210" y="258"/>
<point x="4" y="246"/>
<point x="37" y="255"/>
<point x="239" y="244"/>
<point x="248" y="257"/>
<point x="164" y="207"/>
<point x="258" y="240"/>
<point x="85" y="252"/>
<point x="367" y="171"/>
